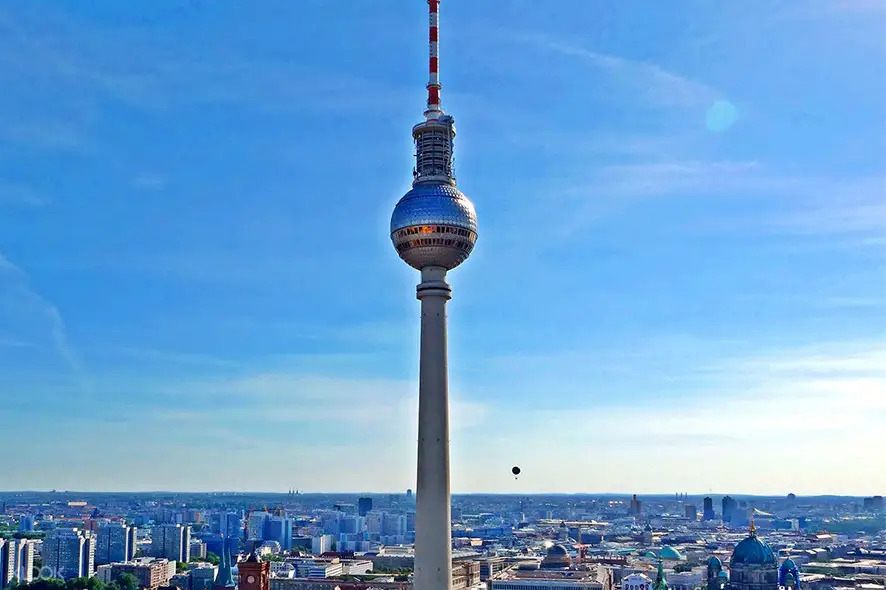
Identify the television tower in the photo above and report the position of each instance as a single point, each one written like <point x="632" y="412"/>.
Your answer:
<point x="433" y="228"/>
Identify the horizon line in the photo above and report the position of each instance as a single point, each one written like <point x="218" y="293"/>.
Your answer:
<point x="403" y="493"/>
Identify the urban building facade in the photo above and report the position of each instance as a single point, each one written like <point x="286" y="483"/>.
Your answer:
<point x="253" y="574"/>
<point x="151" y="572"/>
<point x="7" y="562"/>
<point x="171" y="541"/>
<point x="708" y="510"/>
<point x="24" y="560"/>
<point x="68" y="553"/>
<point x="115" y="541"/>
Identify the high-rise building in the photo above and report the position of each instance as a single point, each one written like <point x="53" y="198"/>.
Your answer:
<point x="364" y="505"/>
<point x="708" y="512"/>
<point x="198" y="549"/>
<point x="255" y="526"/>
<point x="729" y="508"/>
<point x="374" y="522"/>
<point x="350" y="524"/>
<point x="172" y="541"/>
<point x="433" y="228"/>
<point x="68" y="553"/>
<point x="24" y="560"/>
<point x="690" y="511"/>
<point x="322" y="544"/>
<point x="7" y="561"/>
<point x="393" y="524"/>
<point x="233" y="525"/>
<point x="873" y="504"/>
<point x="279" y="528"/>
<point x="26" y="523"/>
<point x="115" y="542"/>
<point x="636" y="507"/>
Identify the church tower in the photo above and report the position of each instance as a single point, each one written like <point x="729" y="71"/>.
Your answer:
<point x="254" y="574"/>
<point x="224" y="580"/>
<point x="661" y="583"/>
<point x="716" y="578"/>
<point x="789" y="575"/>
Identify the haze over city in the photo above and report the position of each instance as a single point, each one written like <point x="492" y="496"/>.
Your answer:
<point x="678" y="285"/>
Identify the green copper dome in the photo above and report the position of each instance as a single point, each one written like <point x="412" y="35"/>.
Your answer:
<point x="669" y="553"/>
<point x="753" y="551"/>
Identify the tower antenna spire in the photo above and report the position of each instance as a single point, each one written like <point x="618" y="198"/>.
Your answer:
<point x="433" y="59"/>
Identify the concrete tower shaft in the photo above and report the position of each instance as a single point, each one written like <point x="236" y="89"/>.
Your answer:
<point x="433" y="534"/>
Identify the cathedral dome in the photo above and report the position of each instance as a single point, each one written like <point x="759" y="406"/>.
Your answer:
<point x="670" y="554"/>
<point x="753" y="551"/>
<point x="788" y="564"/>
<point x="557" y="557"/>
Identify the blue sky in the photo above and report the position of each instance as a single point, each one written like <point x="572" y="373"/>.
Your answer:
<point x="680" y="282"/>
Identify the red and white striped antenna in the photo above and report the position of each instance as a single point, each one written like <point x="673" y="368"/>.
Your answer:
<point x="433" y="59"/>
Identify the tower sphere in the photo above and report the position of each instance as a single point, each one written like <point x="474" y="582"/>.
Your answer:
<point x="434" y="224"/>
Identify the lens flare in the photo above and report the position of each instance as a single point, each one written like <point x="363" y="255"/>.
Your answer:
<point x="721" y="116"/>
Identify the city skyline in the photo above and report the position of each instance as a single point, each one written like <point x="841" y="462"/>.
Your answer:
<point x="694" y="228"/>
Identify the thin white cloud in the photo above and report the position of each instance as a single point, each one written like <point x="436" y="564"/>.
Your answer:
<point x="17" y="288"/>
<point x="647" y="81"/>
<point x="790" y="204"/>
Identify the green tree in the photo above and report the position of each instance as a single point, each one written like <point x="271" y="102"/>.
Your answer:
<point x="45" y="584"/>
<point x="126" y="581"/>
<point x="210" y="557"/>
<point x="272" y="558"/>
